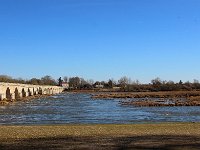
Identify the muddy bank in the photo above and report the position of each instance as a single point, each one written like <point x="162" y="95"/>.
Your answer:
<point x="163" y="102"/>
<point x="171" y="94"/>
<point x="153" y="99"/>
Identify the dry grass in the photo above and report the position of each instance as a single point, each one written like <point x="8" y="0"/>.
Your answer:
<point x="156" y="99"/>
<point x="99" y="130"/>
<point x="137" y="136"/>
<point x="168" y="94"/>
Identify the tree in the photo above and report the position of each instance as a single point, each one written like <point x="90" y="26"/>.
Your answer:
<point x="35" y="81"/>
<point x="187" y="83"/>
<point x="74" y="82"/>
<point x="82" y="81"/>
<point x="5" y="78"/>
<point x="196" y="84"/>
<point x="123" y="82"/>
<point x="20" y="80"/>
<point x="180" y="82"/>
<point x="136" y="82"/>
<point x="157" y="84"/>
<point x="156" y="81"/>
<point x="110" y="83"/>
<point x="196" y="81"/>
<point x="91" y="82"/>
<point x="48" y="80"/>
<point x="65" y="79"/>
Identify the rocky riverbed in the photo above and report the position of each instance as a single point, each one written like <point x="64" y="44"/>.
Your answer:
<point x="7" y="102"/>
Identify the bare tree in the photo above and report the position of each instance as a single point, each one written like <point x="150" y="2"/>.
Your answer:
<point x="136" y="82"/>
<point x="196" y="81"/>
<point x="5" y="78"/>
<point x="156" y="81"/>
<point x="124" y="81"/>
<point x="65" y="79"/>
<point x="74" y="82"/>
<point x="110" y="83"/>
<point x="35" y="81"/>
<point x="48" y="80"/>
<point x="90" y="81"/>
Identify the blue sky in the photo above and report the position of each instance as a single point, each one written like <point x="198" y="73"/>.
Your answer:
<point x="100" y="39"/>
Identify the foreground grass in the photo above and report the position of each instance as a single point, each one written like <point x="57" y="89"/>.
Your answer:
<point x="137" y="136"/>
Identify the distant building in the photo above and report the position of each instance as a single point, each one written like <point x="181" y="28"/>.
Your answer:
<point x="116" y="88"/>
<point x="98" y="85"/>
<point x="65" y="85"/>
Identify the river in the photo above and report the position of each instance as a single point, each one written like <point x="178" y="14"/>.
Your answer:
<point x="81" y="109"/>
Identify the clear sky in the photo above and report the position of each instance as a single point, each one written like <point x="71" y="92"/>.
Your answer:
<point x="101" y="39"/>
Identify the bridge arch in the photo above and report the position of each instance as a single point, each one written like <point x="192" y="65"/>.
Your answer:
<point x="17" y="95"/>
<point x="8" y="94"/>
<point x="23" y="93"/>
<point x="29" y="92"/>
<point x="40" y="91"/>
<point x="34" y="92"/>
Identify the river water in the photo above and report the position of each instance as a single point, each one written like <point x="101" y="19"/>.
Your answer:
<point x="81" y="109"/>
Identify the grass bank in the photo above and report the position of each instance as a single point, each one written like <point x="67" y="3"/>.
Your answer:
<point x="136" y="136"/>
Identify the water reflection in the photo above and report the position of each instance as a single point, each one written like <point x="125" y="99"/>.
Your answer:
<point x="80" y="108"/>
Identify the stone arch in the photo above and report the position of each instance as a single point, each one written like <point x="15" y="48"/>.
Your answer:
<point x="8" y="94"/>
<point x="51" y="91"/>
<point x="48" y="91"/>
<point x="34" y="92"/>
<point x="40" y="91"/>
<point x="17" y="95"/>
<point x="23" y="93"/>
<point x="44" y="91"/>
<point x="29" y="92"/>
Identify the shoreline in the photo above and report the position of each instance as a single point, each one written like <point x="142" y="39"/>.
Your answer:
<point x="134" y="136"/>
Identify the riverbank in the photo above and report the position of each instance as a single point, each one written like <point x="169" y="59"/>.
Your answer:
<point x="152" y="99"/>
<point x="135" y="136"/>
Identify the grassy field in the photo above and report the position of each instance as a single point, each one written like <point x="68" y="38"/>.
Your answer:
<point x="137" y="136"/>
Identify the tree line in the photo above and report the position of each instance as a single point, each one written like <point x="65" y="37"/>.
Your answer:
<point x="123" y="84"/>
<point x="46" y="80"/>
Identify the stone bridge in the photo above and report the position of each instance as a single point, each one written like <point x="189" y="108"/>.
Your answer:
<point x="11" y="91"/>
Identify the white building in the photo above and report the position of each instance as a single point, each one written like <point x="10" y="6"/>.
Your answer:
<point x="65" y="85"/>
